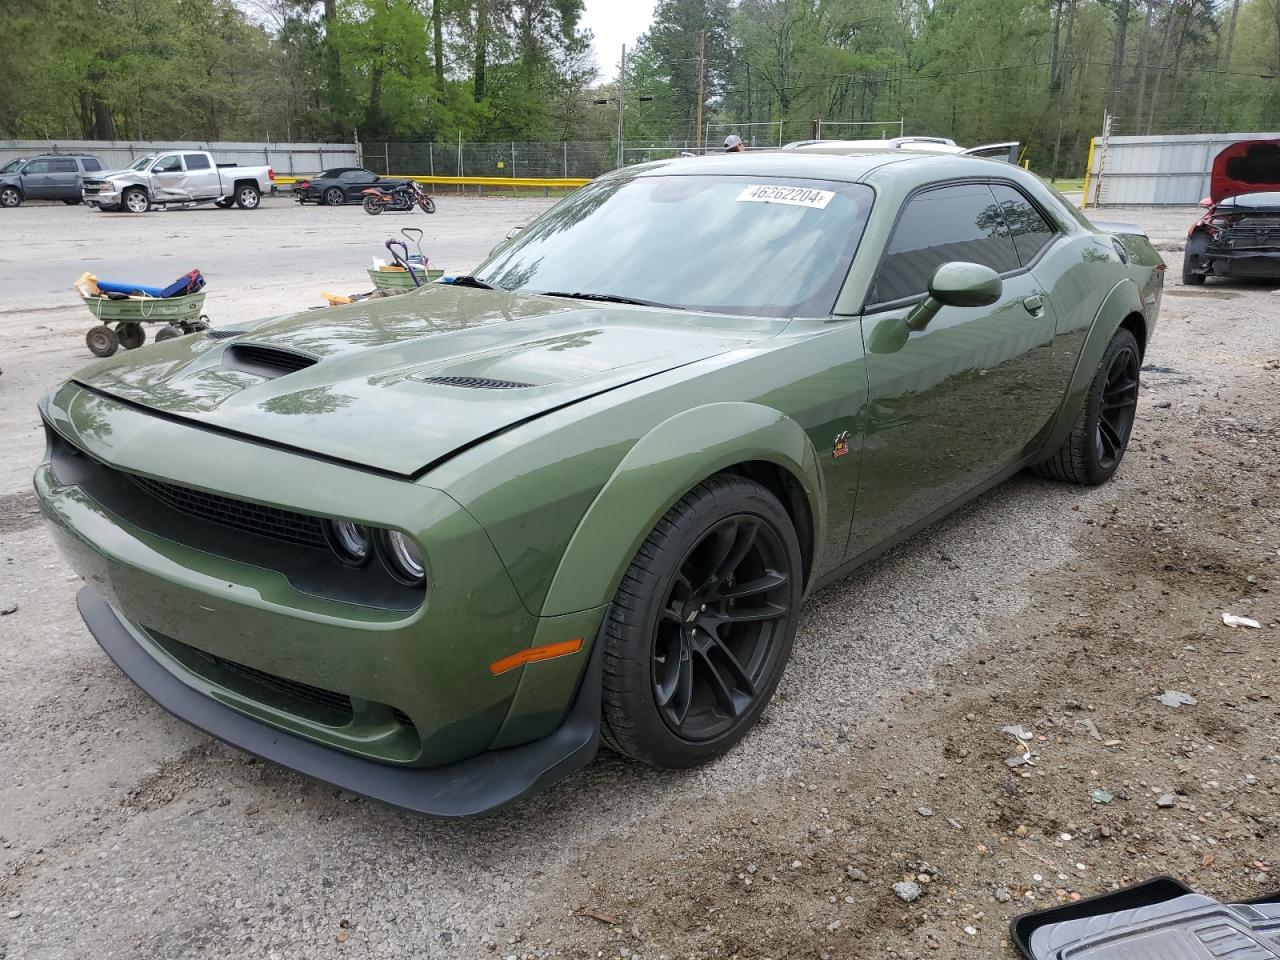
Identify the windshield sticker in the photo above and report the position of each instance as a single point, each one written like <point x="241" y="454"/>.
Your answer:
<point x="795" y="196"/>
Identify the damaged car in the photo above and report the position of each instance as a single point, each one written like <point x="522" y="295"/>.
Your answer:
<point x="1239" y="233"/>
<point x="436" y="549"/>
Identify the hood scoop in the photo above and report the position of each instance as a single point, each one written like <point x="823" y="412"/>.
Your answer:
<point x="477" y="383"/>
<point x="224" y="334"/>
<point x="265" y="361"/>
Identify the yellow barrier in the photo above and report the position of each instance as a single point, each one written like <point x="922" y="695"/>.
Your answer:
<point x="571" y="182"/>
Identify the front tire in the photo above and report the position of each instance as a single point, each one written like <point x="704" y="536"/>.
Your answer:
<point x="135" y="200"/>
<point x="10" y="197"/>
<point x="225" y="203"/>
<point x="1192" y="258"/>
<point x="72" y="202"/>
<point x="101" y="341"/>
<point x="700" y="631"/>
<point x="1096" y="445"/>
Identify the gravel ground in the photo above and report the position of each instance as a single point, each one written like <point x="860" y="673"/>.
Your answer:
<point x="125" y="833"/>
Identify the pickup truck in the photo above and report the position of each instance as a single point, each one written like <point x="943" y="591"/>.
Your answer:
<point x="184" y="178"/>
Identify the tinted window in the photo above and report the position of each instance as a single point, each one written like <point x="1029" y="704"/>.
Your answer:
<point x="91" y="164"/>
<point x="359" y="176"/>
<point x="1031" y="232"/>
<point x="63" y="166"/>
<point x="168" y="164"/>
<point x="963" y="222"/>
<point x="37" y="166"/>
<point x="196" y="161"/>
<point x="763" y="246"/>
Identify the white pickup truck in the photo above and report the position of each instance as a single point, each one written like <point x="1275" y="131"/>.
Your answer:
<point x="180" y="177"/>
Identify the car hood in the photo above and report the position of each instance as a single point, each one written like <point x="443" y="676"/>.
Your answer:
<point x="1250" y="166"/>
<point x="399" y="384"/>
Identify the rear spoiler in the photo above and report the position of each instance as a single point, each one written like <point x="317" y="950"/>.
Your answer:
<point x="1111" y="226"/>
<point x="1009" y="149"/>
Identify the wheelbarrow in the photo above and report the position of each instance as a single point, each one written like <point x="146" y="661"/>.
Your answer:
<point x="120" y="321"/>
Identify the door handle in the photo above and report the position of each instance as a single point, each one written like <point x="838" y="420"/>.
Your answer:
<point x="1034" y="304"/>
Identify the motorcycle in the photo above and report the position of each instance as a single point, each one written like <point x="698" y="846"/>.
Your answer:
<point x="403" y="197"/>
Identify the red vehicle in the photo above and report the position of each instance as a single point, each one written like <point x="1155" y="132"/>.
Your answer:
<point x="1239" y="234"/>
<point x="404" y="196"/>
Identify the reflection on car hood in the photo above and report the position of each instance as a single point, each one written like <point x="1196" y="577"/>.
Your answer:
<point x="400" y="383"/>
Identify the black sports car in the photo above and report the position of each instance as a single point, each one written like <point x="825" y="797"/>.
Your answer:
<point x="340" y="185"/>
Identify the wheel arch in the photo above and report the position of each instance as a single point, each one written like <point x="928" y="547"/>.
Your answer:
<point x="1122" y="307"/>
<point x="666" y="463"/>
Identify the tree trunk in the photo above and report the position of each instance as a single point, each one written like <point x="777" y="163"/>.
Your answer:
<point x="482" y="43"/>
<point x="1160" y="65"/>
<point x="437" y="42"/>
<point x="1065" y="82"/>
<point x="1053" y="53"/>
<point x="1114" y="79"/>
<point x="1140" y="71"/>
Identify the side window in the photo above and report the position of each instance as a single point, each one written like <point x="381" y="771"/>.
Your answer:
<point x="170" y="164"/>
<point x="63" y="166"/>
<point x="37" y="166"/>
<point x="350" y="176"/>
<point x="364" y="176"/>
<point x="196" y="161"/>
<point x="91" y="165"/>
<point x="1031" y="232"/>
<point x="961" y="222"/>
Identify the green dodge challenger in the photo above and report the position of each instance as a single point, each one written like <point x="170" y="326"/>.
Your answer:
<point x="433" y="549"/>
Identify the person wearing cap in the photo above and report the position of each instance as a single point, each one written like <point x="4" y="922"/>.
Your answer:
<point x="733" y="144"/>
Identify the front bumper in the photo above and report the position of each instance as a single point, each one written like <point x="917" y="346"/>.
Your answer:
<point x="479" y="785"/>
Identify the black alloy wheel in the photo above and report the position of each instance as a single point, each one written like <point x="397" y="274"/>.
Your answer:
<point x="700" y="630"/>
<point x="717" y="632"/>
<point x="1118" y="408"/>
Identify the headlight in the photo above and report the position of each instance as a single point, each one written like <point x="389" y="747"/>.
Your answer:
<point x="404" y="558"/>
<point x="350" y="541"/>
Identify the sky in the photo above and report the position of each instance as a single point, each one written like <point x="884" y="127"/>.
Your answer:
<point x="615" y="22"/>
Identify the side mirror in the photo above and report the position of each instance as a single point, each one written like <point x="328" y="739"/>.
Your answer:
<point x="957" y="284"/>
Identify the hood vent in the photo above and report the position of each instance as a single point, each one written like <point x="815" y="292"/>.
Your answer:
<point x="225" y="334"/>
<point x="264" y="361"/>
<point x="477" y="383"/>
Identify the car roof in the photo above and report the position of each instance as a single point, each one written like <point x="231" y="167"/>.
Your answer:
<point x="62" y="156"/>
<point x="852" y="167"/>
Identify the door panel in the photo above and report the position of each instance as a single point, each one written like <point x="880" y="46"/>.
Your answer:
<point x="168" y="180"/>
<point x="203" y="181"/>
<point x="36" y="182"/>
<point x="955" y="404"/>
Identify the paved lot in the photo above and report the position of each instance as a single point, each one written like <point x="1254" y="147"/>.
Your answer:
<point x="125" y="833"/>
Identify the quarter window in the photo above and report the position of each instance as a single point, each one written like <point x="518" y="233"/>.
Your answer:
<point x="1031" y="232"/>
<point x="961" y="222"/>
<point x="196" y="161"/>
<point x="91" y="165"/>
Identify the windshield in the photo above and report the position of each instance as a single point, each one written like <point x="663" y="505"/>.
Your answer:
<point x="141" y="163"/>
<point x="11" y="166"/>
<point x="764" y="246"/>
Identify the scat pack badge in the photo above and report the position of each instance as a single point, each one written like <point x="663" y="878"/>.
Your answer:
<point x="842" y="444"/>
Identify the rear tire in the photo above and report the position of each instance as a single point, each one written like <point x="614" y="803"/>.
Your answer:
<point x="167" y="332"/>
<point x="700" y="630"/>
<point x="1098" y="440"/>
<point x="372" y="206"/>
<point x="334" y="197"/>
<point x="1192" y="258"/>
<point x="248" y="197"/>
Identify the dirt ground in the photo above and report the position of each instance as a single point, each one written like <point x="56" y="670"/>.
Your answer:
<point x="884" y="759"/>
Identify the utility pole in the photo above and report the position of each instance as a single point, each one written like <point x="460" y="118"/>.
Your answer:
<point x="622" y="95"/>
<point x="697" y="115"/>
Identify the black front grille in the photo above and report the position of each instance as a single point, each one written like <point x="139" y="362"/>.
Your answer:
<point x="265" y="361"/>
<point x="241" y="514"/>
<point x="324" y="706"/>
<point x="477" y="383"/>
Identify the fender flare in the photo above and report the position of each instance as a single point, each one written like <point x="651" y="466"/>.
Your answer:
<point x="1124" y="300"/>
<point x="664" y="465"/>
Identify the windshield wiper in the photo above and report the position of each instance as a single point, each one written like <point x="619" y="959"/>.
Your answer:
<point x="466" y="280"/>
<point x="611" y="298"/>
